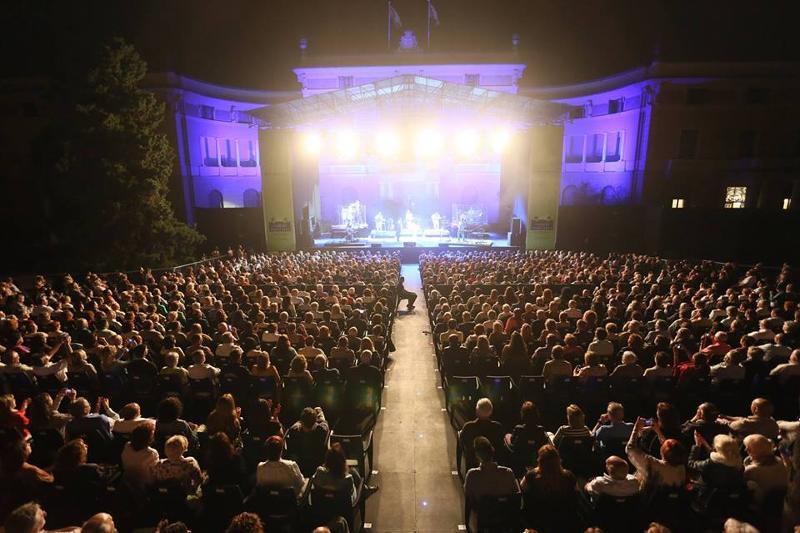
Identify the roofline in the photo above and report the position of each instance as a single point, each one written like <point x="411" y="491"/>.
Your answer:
<point x="408" y="58"/>
<point x="668" y="70"/>
<point x="171" y="80"/>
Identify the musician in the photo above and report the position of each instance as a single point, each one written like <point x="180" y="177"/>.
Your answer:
<point x="462" y="227"/>
<point x="436" y="220"/>
<point x="409" y="219"/>
<point x="379" y="222"/>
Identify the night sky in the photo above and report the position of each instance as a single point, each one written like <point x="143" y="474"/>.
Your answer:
<point x="254" y="43"/>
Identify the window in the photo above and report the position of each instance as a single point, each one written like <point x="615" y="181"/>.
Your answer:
<point x="345" y="82"/>
<point x="696" y="96"/>
<point x="787" y="204"/>
<point x="747" y="144"/>
<point x="614" y="106"/>
<point x="756" y="95"/>
<point x="575" y="149"/>
<point x="247" y="154"/>
<point x="207" y="111"/>
<point x="577" y="112"/>
<point x="687" y="148"/>
<point x="228" y="152"/>
<point x="735" y="197"/>
<point x="215" y="199"/>
<point x="251" y="198"/>
<point x="614" y="147"/>
<point x="594" y="152"/>
<point x="473" y="80"/>
<point x="677" y="203"/>
<point x="208" y="147"/>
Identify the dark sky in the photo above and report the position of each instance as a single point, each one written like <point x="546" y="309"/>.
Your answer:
<point x="254" y="43"/>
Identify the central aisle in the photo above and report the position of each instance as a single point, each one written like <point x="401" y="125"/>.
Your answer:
<point x="414" y="442"/>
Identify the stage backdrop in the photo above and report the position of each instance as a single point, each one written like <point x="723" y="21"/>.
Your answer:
<point x="276" y="189"/>
<point x="546" y="144"/>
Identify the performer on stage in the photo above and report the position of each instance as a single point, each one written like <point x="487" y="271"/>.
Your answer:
<point x="409" y="219"/>
<point x="436" y="221"/>
<point x="462" y="227"/>
<point x="379" y="222"/>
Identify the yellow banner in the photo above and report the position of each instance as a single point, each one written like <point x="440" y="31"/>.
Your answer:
<point x="276" y="189"/>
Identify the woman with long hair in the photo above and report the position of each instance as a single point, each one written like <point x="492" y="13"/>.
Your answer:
<point x="335" y="475"/>
<point x="549" y="493"/>
<point x="225" y="418"/>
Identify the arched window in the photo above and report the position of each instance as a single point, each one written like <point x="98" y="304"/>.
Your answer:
<point x="569" y="196"/>
<point x="215" y="199"/>
<point x="252" y="198"/>
<point x="608" y="196"/>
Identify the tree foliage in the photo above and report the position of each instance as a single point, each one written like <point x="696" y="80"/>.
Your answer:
<point x="108" y="172"/>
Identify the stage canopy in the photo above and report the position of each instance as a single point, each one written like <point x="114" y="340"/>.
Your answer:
<point x="413" y="95"/>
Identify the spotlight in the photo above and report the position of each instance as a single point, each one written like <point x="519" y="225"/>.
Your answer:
<point x="346" y="144"/>
<point x="467" y="142"/>
<point x="386" y="144"/>
<point x="428" y="143"/>
<point x="311" y="143"/>
<point x="500" y="140"/>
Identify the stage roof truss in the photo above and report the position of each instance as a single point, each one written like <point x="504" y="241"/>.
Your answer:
<point x="414" y="94"/>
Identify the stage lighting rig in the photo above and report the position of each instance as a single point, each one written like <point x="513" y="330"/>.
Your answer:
<point x="346" y="144"/>
<point x="467" y="142"/>
<point x="386" y="144"/>
<point x="428" y="142"/>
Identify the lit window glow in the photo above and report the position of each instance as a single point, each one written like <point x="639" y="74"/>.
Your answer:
<point x="735" y="197"/>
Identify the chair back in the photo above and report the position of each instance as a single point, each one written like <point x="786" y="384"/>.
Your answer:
<point x="462" y="395"/>
<point x="329" y="395"/>
<point x="298" y="393"/>
<point x="45" y="443"/>
<point x="577" y="454"/>
<point x="618" y="514"/>
<point x="263" y="387"/>
<point x="276" y="506"/>
<point x="170" y="385"/>
<point x="327" y="504"/>
<point x="220" y="504"/>
<point x="530" y="388"/>
<point x="498" y="514"/>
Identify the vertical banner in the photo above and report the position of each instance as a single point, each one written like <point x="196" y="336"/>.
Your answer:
<point x="276" y="189"/>
<point x="544" y="186"/>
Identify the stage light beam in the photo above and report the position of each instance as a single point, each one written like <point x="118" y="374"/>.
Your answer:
<point x="386" y="144"/>
<point x="467" y="142"/>
<point x="346" y="144"/>
<point x="500" y="140"/>
<point x="311" y="143"/>
<point x="428" y="143"/>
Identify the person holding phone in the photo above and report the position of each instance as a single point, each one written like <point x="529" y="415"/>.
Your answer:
<point x="667" y="470"/>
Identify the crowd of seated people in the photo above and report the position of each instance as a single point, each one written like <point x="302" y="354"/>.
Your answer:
<point x="246" y="383"/>
<point x="652" y="390"/>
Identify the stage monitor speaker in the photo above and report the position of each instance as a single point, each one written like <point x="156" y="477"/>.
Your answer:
<point x="444" y="245"/>
<point x="376" y="245"/>
<point x="409" y="244"/>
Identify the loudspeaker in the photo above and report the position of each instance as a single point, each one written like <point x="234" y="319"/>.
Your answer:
<point x="516" y="226"/>
<point x="409" y="244"/>
<point x="444" y="245"/>
<point x="376" y="245"/>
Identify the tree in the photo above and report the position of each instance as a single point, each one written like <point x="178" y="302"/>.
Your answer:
<point x="107" y="167"/>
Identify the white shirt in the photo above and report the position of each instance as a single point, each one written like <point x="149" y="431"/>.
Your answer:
<point x="202" y="371"/>
<point x="137" y="464"/>
<point x="281" y="473"/>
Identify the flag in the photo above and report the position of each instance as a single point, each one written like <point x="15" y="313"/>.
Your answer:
<point x="395" y="18"/>
<point x="432" y="13"/>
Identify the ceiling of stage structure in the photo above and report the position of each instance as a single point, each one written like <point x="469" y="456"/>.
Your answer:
<point x="413" y="95"/>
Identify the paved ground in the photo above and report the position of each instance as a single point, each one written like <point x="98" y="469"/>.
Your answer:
<point x="414" y="443"/>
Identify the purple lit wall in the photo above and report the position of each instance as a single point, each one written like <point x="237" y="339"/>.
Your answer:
<point x="604" y="152"/>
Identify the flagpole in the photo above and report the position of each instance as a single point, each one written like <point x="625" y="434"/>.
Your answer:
<point x="429" y="24"/>
<point x="389" y="24"/>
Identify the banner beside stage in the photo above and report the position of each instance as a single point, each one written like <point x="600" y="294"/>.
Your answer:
<point x="544" y="186"/>
<point x="277" y="197"/>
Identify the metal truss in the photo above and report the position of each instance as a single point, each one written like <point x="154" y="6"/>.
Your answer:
<point x="413" y="95"/>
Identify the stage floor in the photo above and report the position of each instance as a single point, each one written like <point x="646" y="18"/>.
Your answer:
<point x="495" y="241"/>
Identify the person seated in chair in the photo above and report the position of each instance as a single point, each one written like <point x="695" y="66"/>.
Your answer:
<point x="760" y="422"/>
<point x="200" y="369"/>
<point x="549" y="493"/>
<point x="668" y="471"/>
<point x="279" y="472"/>
<point x="171" y="368"/>
<point x="719" y="467"/>
<point x="785" y="371"/>
<point x="403" y="294"/>
<point x="487" y="479"/>
<point x="365" y="371"/>
<point x="234" y="366"/>
<point x="526" y="438"/>
<point x="704" y="422"/>
<point x="175" y="468"/>
<point x="84" y="422"/>
<point x="616" y="482"/>
<point x="557" y="366"/>
<point x="306" y="440"/>
<point x="482" y="426"/>
<point x="575" y="427"/>
<point x="629" y="368"/>
<point x="321" y="372"/>
<point x="334" y="474"/>
<point x="611" y="427"/>
<point x="764" y="473"/>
